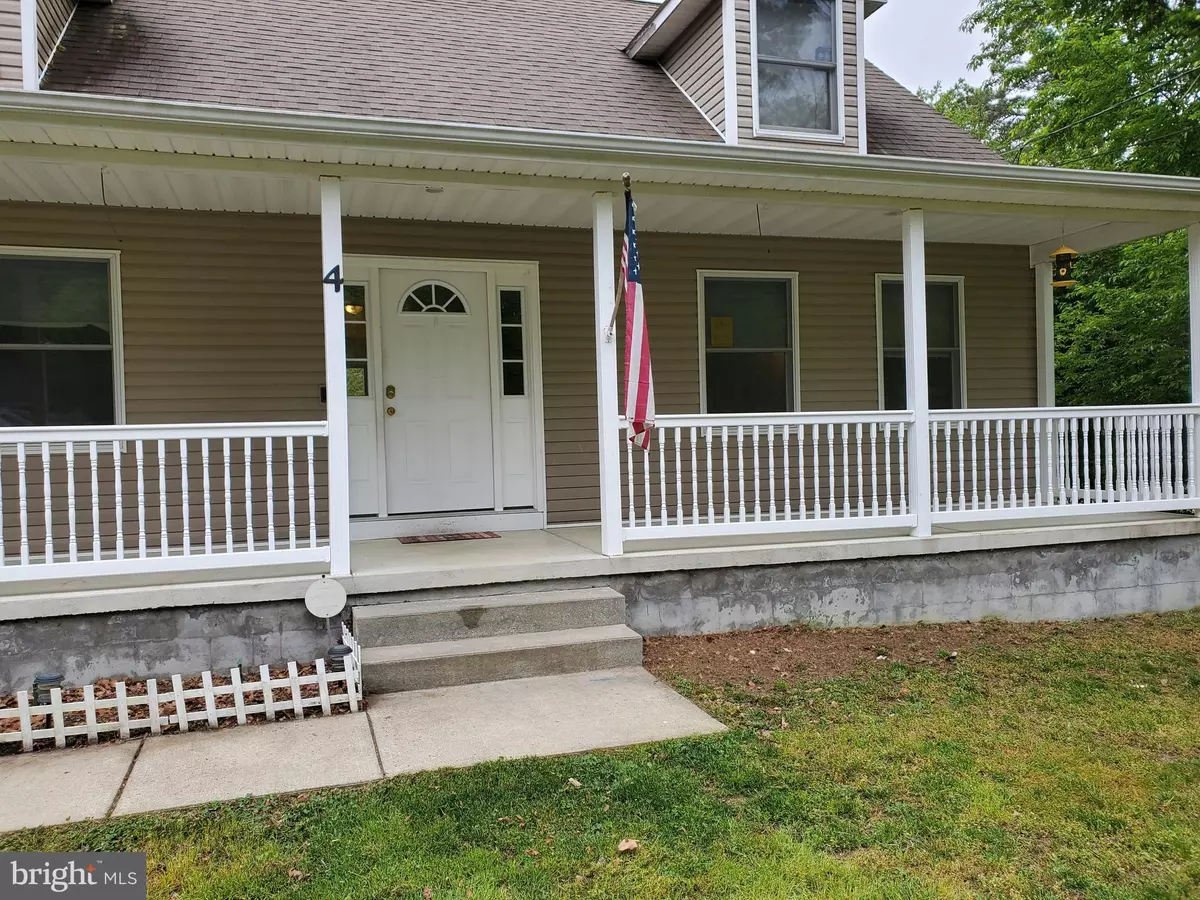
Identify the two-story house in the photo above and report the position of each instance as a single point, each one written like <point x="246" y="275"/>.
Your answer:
<point x="287" y="286"/>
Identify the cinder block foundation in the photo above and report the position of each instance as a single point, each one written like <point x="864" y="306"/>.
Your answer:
<point x="1158" y="574"/>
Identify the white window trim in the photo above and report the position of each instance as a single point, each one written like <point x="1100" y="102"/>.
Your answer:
<point x="765" y="275"/>
<point x="116" y="332"/>
<point x="838" y="134"/>
<point x="958" y="280"/>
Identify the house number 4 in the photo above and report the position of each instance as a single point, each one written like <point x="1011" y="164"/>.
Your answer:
<point x="334" y="277"/>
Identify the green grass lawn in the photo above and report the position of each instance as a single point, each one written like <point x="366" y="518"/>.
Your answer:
<point x="1065" y="766"/>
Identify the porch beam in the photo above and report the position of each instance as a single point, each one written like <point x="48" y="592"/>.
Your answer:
<point x="1194" y="308"/>
<point x="336" y="404"/>
<point x="916" y="367"/>
<point x="604" y="275"/>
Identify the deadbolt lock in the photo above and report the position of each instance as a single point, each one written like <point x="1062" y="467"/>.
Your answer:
<point x="391" y="392"/>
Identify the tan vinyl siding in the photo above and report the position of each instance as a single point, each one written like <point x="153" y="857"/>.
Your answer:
<point x="849" y="87"/>
<point x="10" y="44"/>
<point x="696" y="65"/>
<point x="222" y="315"/>
<point x="53" y="16"/>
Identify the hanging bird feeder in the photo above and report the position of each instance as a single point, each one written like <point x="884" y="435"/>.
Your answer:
<point x="1064" y="266"/>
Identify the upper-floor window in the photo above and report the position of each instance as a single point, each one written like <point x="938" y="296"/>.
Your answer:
<point x="796" y="65"/>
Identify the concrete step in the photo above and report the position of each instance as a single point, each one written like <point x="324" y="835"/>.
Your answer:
<point x="414" y="667"/>
<point x="460" y="618"/>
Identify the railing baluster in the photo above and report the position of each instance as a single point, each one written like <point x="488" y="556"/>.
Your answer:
<point x="1061" y="443"/>
<point x="1191" y="455"/>
<point x="1037" y="462"/>
<point x="1123" y="492"/>
<point x="208" y="532"/>
<point x="227" y="484"/>
<point x="23" y="503"/>
<point x="901" y="434"/>
<point x="72" y="536"/>
<point x="1108" y="457"/>
<point x="629" y="476"/>
<point x="832" y="473"/>
<point x="874" y="472"/>
<point x="162" y="497"/>
<point x="1012" y="463"/>
<point x="816" y="464"/>
<point x="949" y="469"/>
<point x="648" y="498"/>
<point x="1025" y="462"/>
<point x="119" y="495"/>
<point x="803" y="498"/>
<point x="291" y="484"/>
<point x="962" y="480"/>
<point x="787" y="481"/>
<point x="887" y="466"/>
<point x="1097" y="463"/>
<point x="770" y="470"/>
<point x="858" y="449"/>
<point x="695" y="478"/>
<point x="933" y="464"/>
<point x="248" y="459"/>
<point x="987" y="463"/>
<point x="139" y="451"/>
<point x="47" y="503"/>
<point x="678" y="480"/>
<point x="757" y="477"/>
<point x="662" y="478"/>
<point x="725" y="469"/>
<point x="1084" y="429"/>
<point x="1177" y="455"/>
<point x="974" y="464"/>
<point x="741" y="476"/>
<point x="94" y="462"/>
<point x="270" y="451"/>
<point x="1000" y="464"/>
<point x="845" y="470"/>
<point x="312" y="494"/>
<point x="185" y="505"/>
<point x="708" y="439"/>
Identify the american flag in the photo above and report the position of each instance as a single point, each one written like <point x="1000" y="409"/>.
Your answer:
<point x="639" y="381"/>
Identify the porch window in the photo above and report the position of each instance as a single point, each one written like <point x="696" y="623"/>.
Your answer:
<point x="58" y="322"/>
<point x="749" y="361"/>
<point x="796" y="65"/>
<point x="944" y="318"/>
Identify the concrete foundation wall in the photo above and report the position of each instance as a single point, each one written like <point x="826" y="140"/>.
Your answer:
<point x="1062" y="582"/>
<point x="1072" y="581"/>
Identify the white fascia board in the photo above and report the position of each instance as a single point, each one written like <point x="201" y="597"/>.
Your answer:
<point x="654" y="159"/>
<point x="670" y="20"/>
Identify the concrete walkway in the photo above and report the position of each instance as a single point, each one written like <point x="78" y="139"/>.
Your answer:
<point x="401" y="733"/>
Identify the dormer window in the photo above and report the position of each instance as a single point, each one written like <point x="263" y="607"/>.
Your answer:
<point x="797" y="85"/>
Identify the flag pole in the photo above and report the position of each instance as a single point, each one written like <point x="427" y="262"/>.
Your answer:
<point x="612" y="325"/>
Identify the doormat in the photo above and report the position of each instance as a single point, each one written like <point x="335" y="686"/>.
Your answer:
<point x="444" y="538"/>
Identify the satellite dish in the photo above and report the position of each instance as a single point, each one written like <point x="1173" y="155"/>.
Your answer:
<point x="325" y="598"/>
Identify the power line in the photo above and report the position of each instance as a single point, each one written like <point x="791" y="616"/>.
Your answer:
<point x="1150" y="90"/>
<point x="1161" y="137"/>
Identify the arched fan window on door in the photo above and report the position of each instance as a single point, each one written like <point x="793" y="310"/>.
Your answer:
<point x="434" y="297"/>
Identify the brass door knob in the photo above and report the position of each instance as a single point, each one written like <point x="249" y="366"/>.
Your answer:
<point x="391" y="410"/>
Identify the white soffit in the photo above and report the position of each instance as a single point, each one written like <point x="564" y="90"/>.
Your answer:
<point x="160" y="188"/>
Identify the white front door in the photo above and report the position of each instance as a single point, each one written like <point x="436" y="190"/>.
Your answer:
<point x="437" y="390"/>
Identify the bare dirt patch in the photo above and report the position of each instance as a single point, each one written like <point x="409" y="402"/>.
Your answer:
<point x="762" y="657"/>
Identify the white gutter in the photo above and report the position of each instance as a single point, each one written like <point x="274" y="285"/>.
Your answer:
<point x="712" y="157"/>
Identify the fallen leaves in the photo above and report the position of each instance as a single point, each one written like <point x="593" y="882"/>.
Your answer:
<point x="628" y="845"/>
<point x="575" y="783"/>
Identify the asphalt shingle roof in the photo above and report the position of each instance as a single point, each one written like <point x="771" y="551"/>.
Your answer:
<point x="541" y="64"/>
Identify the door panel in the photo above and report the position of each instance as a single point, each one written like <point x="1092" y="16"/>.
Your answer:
<point x="436" y="356"/>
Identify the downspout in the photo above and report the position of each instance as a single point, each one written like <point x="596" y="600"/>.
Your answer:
<point x="29" y="45"/>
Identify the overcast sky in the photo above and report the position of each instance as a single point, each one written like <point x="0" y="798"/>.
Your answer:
<point x="918" y="42"/>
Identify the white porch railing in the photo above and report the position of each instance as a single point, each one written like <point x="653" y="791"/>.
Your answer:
<point x="759" y="474"/>
<point x="121" y="499"/>
<point x="994" y="464"/>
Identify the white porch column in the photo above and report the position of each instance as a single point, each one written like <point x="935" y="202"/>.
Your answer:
<point x="603" y="262"/>
<point x="916" y="367"/>
<point x="1044" y="296"/>
<point x="1194" y="307"/>
<point x="332" y="273"/>
<point x="30" y="65"/>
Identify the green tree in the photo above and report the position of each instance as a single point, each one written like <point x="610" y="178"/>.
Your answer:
<point x="1099" y="84"/>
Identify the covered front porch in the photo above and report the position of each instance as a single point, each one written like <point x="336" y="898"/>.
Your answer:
<point x="286" y="468"/>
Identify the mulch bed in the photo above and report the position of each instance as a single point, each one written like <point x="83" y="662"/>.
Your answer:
<point x="106" y="689"/>
<point x="790" y="653"/>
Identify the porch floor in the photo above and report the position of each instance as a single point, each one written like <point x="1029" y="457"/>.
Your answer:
<point x="573" y="552"/>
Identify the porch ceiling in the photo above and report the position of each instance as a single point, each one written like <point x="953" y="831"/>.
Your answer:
<point x="797" y="215"/>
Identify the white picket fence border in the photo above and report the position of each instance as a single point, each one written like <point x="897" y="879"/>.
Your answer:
<point x="155" y="722"/>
